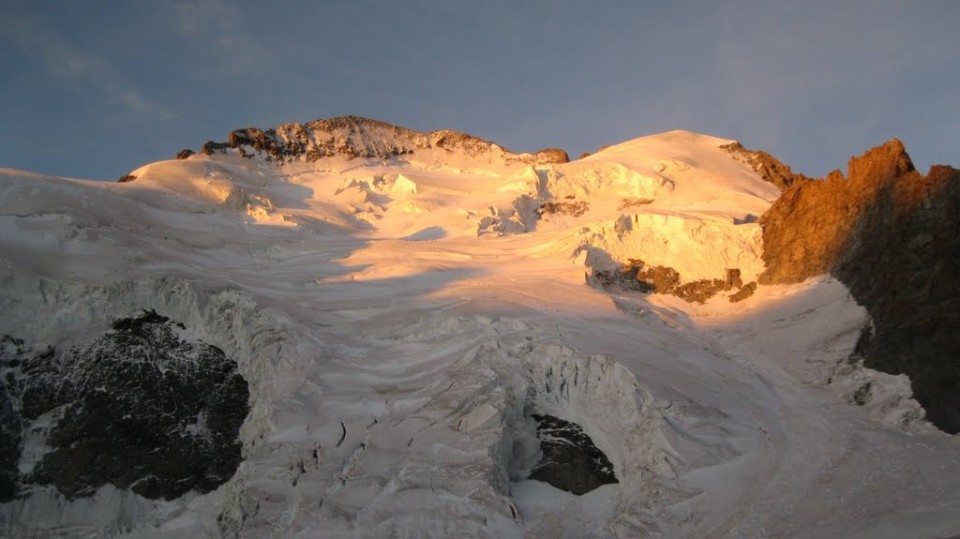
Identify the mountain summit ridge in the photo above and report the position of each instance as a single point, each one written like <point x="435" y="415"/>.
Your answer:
<point x="358" y="137"/>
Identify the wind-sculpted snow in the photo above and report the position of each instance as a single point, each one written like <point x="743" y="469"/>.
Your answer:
<point x="437" y="454"/>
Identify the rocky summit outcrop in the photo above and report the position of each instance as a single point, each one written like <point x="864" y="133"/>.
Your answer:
<point x="766" y="165"/>
<point x="807" y="228"/>
<point x="547" y="156"/>
<point x="892" y="236"/>
<point x="357" y="137"/>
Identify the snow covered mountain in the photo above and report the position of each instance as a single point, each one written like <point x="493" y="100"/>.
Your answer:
<point x="350" y="329"/>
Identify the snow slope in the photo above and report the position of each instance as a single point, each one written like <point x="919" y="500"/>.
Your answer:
<point x="399" y="321"/>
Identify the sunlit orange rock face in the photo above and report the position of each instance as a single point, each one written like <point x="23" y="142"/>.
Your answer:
<point x="892" y="236"/>
<point x="808" y="227"/>
<point x="766" y="165"/>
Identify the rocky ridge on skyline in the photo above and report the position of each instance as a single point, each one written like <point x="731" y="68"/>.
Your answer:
<point x="358" y="137"/>
<point x="767" y="166"/>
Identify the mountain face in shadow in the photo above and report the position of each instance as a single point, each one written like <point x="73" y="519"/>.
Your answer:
<point x="892" y="236"/>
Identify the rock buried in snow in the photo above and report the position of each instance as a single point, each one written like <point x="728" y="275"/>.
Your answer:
<point x="571" y="461"/>
<point x="10" y="437"/>
<point x="636" y="275"/>
<point x="138" y="407"/>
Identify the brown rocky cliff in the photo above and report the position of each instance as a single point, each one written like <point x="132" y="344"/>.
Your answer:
<point x="806" y="228"/>
<point x="892" y="236"/>
<point x="902" y="262"/>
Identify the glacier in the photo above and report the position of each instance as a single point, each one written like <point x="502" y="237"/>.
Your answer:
<point x="401" y="317"/>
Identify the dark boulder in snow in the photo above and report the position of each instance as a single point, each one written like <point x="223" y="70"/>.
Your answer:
<point x="745" y="292"/>
<point x="11" y="430"/>
<point x="139" y="408"/>
<point x="635" y="275"/>
<point x="658" y="279"/>
<point x="571" y="461"/>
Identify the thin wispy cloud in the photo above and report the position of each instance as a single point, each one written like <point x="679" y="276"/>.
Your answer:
<point x="216" y="28"/>
<point x="65" y="61"/>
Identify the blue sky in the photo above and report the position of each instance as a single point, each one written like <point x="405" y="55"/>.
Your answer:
<point x="95" y="88"/>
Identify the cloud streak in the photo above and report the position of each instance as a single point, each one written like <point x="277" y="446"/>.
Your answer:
<point x="217" y="29"/>
<point x="67" y="62"/>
